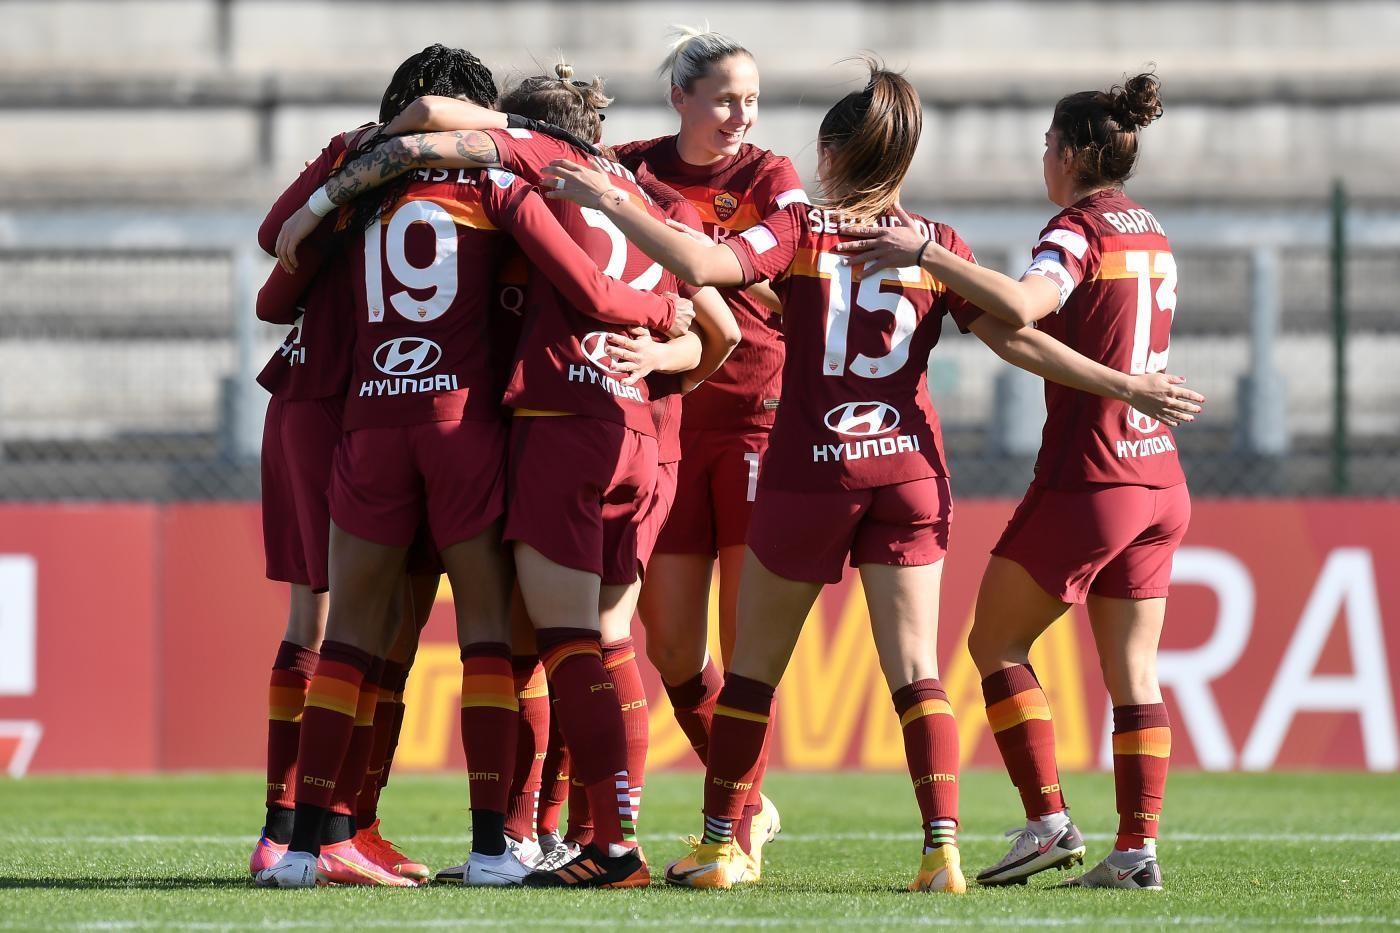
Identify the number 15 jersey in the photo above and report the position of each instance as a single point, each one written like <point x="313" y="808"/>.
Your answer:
<point x="1117" y="279"/>
<point x="855" y="410"/>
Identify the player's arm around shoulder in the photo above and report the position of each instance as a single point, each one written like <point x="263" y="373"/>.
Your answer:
<point x="1017" y="302"/>
<point x="699" y="263"/>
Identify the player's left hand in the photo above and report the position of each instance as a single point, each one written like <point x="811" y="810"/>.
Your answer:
<point x="298" y="227"/>
<point x="574" y="182"/>
<point x="883" y="247"/>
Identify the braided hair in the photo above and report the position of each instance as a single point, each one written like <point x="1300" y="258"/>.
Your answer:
<point x="437" y="71"/>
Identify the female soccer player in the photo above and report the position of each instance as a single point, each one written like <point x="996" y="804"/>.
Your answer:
<point x="1109" y="504"/>
<point x="308" y="378"/>
<point x="855" y="468"/>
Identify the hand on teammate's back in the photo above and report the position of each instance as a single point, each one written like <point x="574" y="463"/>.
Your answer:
<point x="1165" y="397"/>
<point x="574" y="182"/>
<point x="886" y="247"/>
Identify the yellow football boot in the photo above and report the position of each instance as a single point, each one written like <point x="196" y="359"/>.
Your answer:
<point x="941" y="871"/>
<point x="719" y="865"/>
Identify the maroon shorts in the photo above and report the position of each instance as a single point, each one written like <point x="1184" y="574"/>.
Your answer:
<point x="579" y="489"/>
<point x="808" y="535"/>
<point x="386" y="479"/>
<point x="658" y="510"/>
<point x="299" y="443"/>
<point x="715" y="491"/>
<point x="1115" y="541"/>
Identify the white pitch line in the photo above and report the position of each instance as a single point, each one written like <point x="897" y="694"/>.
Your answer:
<point x="1299" y="838"/>
<point x="672" y="922"/>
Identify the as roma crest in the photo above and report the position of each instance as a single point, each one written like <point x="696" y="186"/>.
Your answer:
<point x="725" y="205"/>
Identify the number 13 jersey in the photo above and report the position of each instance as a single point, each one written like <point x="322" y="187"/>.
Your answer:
<point x="1117" y="279"/>
<point x="855" y="410"/>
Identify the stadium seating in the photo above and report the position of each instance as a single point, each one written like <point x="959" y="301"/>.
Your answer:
<point x="206" y="107"/>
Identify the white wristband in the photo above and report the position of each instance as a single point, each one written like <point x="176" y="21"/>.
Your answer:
<point x="320" y="202"/>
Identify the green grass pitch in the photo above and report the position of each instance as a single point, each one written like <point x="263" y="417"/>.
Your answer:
<point x="1276" y="850"/>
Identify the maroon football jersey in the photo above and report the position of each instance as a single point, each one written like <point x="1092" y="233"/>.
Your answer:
<point x="856" y="411"/>
<point x="562" y="362"/>
<point x="1117" y="278"/>
<point x="314" y="361"/>
<point x="423" y="279"/>
<point x="730" y="197"/>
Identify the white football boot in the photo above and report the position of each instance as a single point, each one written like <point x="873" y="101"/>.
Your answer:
<point x="527" y="851"/>
<point x="1031" y="853"/>
<point x="555" y="853"/>
<point x="485" y="871"/>
<point x="1134" y="870"/>
<point x="293" y="870"/>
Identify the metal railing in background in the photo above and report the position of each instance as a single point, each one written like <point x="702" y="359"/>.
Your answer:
<point x="128" y="350"/>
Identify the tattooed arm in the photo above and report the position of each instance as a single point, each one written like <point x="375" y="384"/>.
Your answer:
<point x="386" y="161"/>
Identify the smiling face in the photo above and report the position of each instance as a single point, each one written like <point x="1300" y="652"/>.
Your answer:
<point x="1058" y="163"/>
<point x="719" y="110"/>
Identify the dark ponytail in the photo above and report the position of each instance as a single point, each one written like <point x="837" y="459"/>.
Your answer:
<point x="870" y="137"/>
<point x="1101" y="128"/>
<point x="437" y="71"/>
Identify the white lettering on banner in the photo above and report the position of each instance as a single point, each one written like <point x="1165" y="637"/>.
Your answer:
<point x="1188" y="673"/>
<point x="587" y="374"/>
<point x="373" y="388"/>
<point x="19" y="585"/>
<point x="19" y="624"/>
<point x="1347" y="584"/>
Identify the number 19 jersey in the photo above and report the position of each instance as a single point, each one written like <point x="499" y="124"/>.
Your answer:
<point x="1117" y="279"/>
<point x="423" y="276"/>
<point x="855" y="410"/>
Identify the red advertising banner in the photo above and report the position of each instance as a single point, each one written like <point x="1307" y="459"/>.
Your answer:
<point x="139" y="638"/>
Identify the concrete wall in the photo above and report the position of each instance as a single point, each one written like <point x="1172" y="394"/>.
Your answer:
<point x="202" y="102"/>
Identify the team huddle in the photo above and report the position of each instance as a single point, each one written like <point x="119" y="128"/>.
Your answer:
<point x="576" y="375"/>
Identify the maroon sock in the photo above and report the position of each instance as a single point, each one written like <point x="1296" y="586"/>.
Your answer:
<point x="1019" y="715"/>
<point x="291" y="673"/>
<point x="580" y="815"/>
<point x="693" y="702"/>
<point x="591" y="719"/>
<point x="742" y="714"/>
<point x="353" y="770"/>
<point x="532" y="740"/>
<point x="1142" y="747"/>
<point x="753" y="804"/>
<point x="396" y="727"/>
<point x="367" y="804"/>
<point x="329" y="720"/>
<point x="620" y="661"/>
<point x="554" y="784"/>
<point x="490" y="716"/>
<point x="931" y="750"/>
